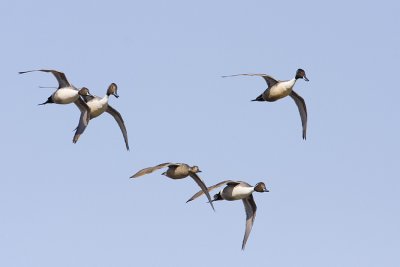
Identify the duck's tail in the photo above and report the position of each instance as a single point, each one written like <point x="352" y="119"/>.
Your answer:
<point x="49" y="100"/>
<point x="259" y="98"/>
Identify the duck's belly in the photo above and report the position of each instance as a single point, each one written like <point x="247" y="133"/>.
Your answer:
<point x="96" y="108"/>
<point x="65" y="96"/>
<point x="178" y="172"/>
<point x="236" y="193"/>
<point x="278" y="92"/>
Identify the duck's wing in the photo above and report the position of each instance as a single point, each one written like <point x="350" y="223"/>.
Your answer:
<point x="83" y="119"/>
<point x="150" y="169"/>
<point x="233" y="183"/>
<point x="60" y="76"/>
<point x="87" y="98"/>
<point x="270" y="80"/>
<point x="201" y="192"/>
<point x="301" y="105"/>
<point x="117" y="116"/>
<point x="203" y="187"/>
<point x="250" y="208"/>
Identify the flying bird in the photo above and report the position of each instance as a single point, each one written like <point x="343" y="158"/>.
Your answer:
<point x="178" y="171"/>
<point x="235" y="190"/>
<point x="98" y="106"/>
<point x="66" y="93"/>
<point x="280" y="89"/>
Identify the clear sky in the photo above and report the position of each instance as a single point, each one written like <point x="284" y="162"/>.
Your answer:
<point x="334" y="199"/>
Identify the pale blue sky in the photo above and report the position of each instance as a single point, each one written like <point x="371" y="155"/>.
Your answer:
<point x="334" y="199"/>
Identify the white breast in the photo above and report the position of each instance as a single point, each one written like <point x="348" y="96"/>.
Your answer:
<point x="97" y="106"/>
<point x="65" y="95"/>
<point x="282" y="89"/>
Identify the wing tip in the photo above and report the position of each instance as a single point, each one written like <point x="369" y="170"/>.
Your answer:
<point x="76" y="138"/>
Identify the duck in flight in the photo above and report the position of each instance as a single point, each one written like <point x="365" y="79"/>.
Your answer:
<point x="178" y="171"/>
<point x="66" y="93"/>
<point x="235" y="190"/>
<point x="98" y="106"/>
<point x="280" y="89"/>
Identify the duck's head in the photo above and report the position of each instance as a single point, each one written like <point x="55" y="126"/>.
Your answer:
<point x="260" y="187"/>
<point x="301" y="74"/>
<point x="195" y="169"/>
<point x="112" y="90"/>
<point x="84" y="91"/>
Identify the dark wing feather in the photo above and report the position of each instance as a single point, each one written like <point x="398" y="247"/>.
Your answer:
<point x="203" y="187"/>
<point x="83" y="119"/>
<point x="232" y="183"/>
<point x="208" y="189"/>
<point x="87" y="98"/>
<point x="270" y="81"/>
<point x="250" y="208"/>
<point x="150" y="169"/>
<point x="301" y="105"/>
<point x="117" y="116"/>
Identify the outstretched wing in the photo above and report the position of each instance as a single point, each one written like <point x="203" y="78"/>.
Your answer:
<point x="60" y="76"/>
<point x="83" y="119"/>
<point x="250" y="208"/>
<point x="203" y="187"/>
<point x="301" y="105"/>
<point x="150" y="169"/>
<point x="270" y="80"/>
<point x="208" y="189"/>
<point x="117" y="116"/>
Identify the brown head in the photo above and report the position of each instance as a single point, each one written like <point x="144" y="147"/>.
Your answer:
<point x="84" y="91"/>
<point x="112" y="90"/>
<point x="301" y="74"/>
<point x="195" y="169"/>
<point x="260" y="187"/>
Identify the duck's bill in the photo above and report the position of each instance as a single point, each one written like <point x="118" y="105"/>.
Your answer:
<point x="266" y="190"/>
<point x="116" y="95"/>
<point x="305" y="78"/>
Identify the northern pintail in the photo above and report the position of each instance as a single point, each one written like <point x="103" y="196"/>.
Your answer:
<point x="235" y="190"/>
<point x="98" y="106"/>
<point x="66" y="93"/>
<point x="279" y="89"/>
<point x="178" y="171"/>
